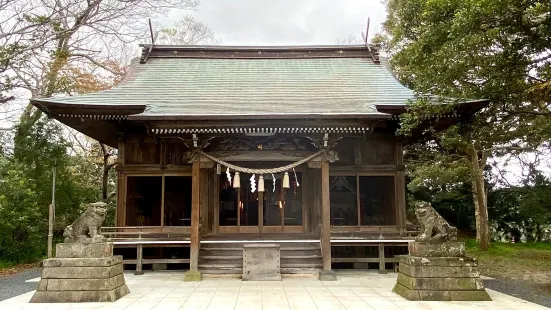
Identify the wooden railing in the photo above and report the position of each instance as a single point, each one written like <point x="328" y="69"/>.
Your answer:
<point x="380" y="230"/>
<point x="149" y="236"/>
<point x="145" y="232"/>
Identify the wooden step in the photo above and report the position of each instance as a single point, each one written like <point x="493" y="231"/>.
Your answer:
<point x="300" y="270"/>
<point x="300" y="256"/>
<point x="313" y="265"/>
<point x="221" y="266"/>
<point x="220" y="257"/>
<point x="222" y="271"/>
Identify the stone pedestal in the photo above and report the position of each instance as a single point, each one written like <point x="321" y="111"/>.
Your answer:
<point x="439" y="271"/>
<point x="81" y="273"/>
<point x="261" y="262"/>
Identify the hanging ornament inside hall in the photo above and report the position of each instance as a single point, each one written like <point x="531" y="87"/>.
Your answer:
<point x="253" y="185"/>
<point x="273" y="181"/>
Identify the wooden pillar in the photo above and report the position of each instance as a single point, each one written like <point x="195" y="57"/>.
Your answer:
<point x="216" y="201"/>
<point x="400" y="187"/>
<point x="162" y="200"/>
<point x="195" y="205"/>
<point x="260" y="211"/>
<point x="325" y="217"/>
<point x="120" y="214"/>
<point x="382" y="263"/>
<point x="139" y="258"/>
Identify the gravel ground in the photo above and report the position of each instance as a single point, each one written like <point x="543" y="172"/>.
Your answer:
<point x="519" y="289"/>
<point x="13" y="285"/>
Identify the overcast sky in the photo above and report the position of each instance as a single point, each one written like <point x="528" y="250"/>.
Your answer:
<point x="281" y="22"/>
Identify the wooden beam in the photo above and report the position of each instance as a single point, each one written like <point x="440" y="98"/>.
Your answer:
<point x="195" y="205"/>
<point x="326" y="225"/>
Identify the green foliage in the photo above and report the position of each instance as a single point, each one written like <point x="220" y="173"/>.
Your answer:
<point x="498" y="50"/>
<point x="527" y="207"/>
<point x="26" y="189"/>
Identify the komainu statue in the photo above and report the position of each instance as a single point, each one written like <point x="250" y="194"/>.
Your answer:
<point x="86" y="228"/>
<point x="432" y="223"/>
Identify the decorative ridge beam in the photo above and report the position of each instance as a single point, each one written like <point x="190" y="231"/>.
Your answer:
<point x="95" y="116"/>
<point x="263" y="131"/>
<point x="301" y="116"/>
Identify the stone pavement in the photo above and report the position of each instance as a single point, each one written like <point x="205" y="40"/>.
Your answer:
<point x="354" y="290"/>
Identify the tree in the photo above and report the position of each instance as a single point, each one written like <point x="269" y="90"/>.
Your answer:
<point x="493" y="49"/>
<point x="187" y="31"/>
<point x="40" y="41"/>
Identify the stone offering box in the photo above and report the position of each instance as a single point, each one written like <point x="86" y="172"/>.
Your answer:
<point x="439" y="271"/>
<point x="261" y="262"/>
<point x="81" y="273"/>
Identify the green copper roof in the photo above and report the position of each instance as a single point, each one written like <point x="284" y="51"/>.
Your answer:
<point x="210" y="86"/>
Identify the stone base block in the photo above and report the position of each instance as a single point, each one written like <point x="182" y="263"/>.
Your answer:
<point x="80" y="296"/>
<point x="327" y="275"/>
<point x="81" y="284"/>
<point x="81" y="272"/>
<point x="446" y="249"/>
<point x="439" y="267"/>
<point x="439" y="278"/>
<point x="81" y="280"/>
<point x="83" y="262"/>
<point x="440" y="284"/>
<point x="84" y="250"/>
<point x="192" y="276"/>
<point x="431" y="295"/>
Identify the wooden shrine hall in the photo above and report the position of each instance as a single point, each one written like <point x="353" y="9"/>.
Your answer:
<point x="223" y="146"/>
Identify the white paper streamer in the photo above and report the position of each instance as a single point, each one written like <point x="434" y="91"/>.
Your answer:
<point x="228" y="175"/>
<point x="253" y="185"/>
<point x="296" y="179"/>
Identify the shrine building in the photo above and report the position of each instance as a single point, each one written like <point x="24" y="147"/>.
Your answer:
<point x="221" y="146"/>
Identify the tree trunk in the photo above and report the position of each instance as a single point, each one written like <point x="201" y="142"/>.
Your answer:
<point x="476" y="210"/>
<point x="479" y="197"/>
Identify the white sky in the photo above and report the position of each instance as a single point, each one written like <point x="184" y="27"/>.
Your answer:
<point x="286" y="22"/>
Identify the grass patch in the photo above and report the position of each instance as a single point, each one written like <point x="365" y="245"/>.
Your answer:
<point x="529" y="262"/>
<point x="8" y="267"/>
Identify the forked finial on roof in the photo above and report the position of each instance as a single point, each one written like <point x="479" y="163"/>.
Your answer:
<point x="373" y="50"/>
<point x="146" y="51"/>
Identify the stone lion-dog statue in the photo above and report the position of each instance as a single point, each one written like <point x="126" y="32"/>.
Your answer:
<point x="433" y="226"/>
<point x="85" y="229"/>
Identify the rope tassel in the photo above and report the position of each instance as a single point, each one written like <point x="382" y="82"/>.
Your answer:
<point x="236" y="180"/>
<point x="261" y="183"/>
<point x="285" y="183"/>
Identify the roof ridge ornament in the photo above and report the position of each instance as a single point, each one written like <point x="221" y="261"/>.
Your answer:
<point x="373" y="49"/>
<point x="146" y="50"/>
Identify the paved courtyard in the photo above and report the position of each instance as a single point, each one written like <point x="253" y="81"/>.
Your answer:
<point x="353" y="290"/>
